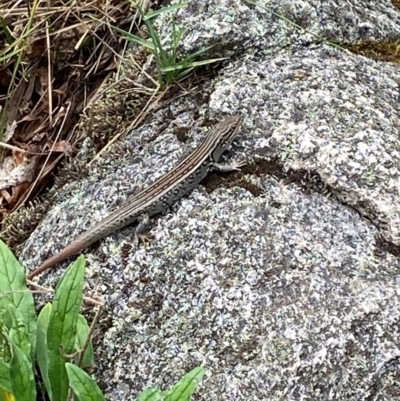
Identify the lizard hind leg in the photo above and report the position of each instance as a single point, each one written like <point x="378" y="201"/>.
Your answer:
<point x="143" y="228"/>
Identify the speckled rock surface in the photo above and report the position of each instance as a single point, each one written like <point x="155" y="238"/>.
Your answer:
<point x="272" y="278"/>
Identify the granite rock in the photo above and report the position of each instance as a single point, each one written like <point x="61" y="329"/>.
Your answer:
<point x="282" y="279"/>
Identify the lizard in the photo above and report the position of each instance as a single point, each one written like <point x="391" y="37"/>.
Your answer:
<point x="160" y="195"/>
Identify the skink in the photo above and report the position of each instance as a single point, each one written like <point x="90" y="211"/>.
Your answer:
<point x="162" y="194"/>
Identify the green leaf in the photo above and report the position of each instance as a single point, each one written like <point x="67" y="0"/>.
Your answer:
<point x="5" y="376"/>
<point x="199" y="53"/>
<point x="186" y="386"/>
<point x="17" y="329"/>
<point x="184" y="72"/>
<point x="130" y="36"/>
<point x="5" y="350"/>
<point x="83" y="385"/>
<point x="5" y="318"/>
<point x="169" y="69"/>
<point x="81" y="337"/>
<point x="164" y="10"/>
<point x="151" y="394"/>
<point x="5" y="359"/>
<point x="191" y="65"/>
<point x="134" y="38"/>
<point x="176" y="38"/>
<point x="8" y="56"/>
<point x="61" y="332"/>
<point x="6" y="396"/>
<point x="158" y="49"/>
<point x="41" y="346"/>
<point x="13" y="288"/>
<point x="21" y="375"/>
<point x="7" y="32"/>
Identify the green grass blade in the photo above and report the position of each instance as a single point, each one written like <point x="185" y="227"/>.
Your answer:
<point x="133" y="38"/>
<point x="20" y="41"/>
<point x="191" y="65"/>
<point x="7" y="32"/>
<point x="159" y="51"/>
<point x="21" y="375"/>
<point x="174" y="68"/>
<point x="13" y="288"/>
<point x="186" y="386"/>
<point x="61" y="330"/>
<point x="41" y="346"/>
<point x="177" y="36"/>
<point x="9" y="55"/>
<point x="164" y="10"/>
<point x="183" y="73"/>
<point x="169" y="68"/>
<point x="81" y="337"/>
<point x="197" y="54"/>
<point x="151" y="394"/>
<point x="83" y="385"/>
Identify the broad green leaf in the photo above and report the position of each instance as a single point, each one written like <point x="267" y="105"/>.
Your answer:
<point x="6" y="396"/>
<point x="164" y="10"/>
<point x="17" y="330"/>
<point x="13" y="287"/>
<point x="186" y="386"/>
<point x="41" y="346"/>
<point x="81" y="337"/>
<point x="21" y="376"/>
<point x="5" y="350"/>
<point x="83" y="385"/>
<point x="5" y="376"/>
<point x="151" y="394"/>
<point x="5" y="318"/>
<point x="5" y="359"/>
<point x="61" y="332"/>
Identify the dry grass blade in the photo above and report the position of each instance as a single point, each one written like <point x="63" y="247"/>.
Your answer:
<point x="53" y="57"/>
<point x="40" y="289"/>
<point x="59" y="68"/>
